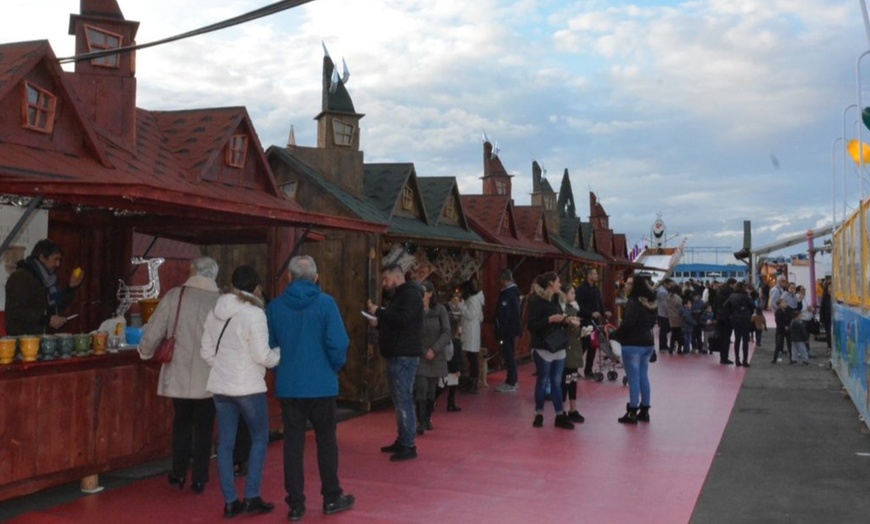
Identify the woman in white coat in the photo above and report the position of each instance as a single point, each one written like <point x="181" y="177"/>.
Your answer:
<point x="236" y="346"/>
<point x="470" y="307"/>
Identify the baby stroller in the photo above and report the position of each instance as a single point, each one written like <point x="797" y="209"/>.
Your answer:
<point x="607" y="358"/>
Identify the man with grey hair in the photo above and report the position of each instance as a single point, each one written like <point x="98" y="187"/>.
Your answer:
<point x="184" y="378"/>
<point x="306" y="323"/>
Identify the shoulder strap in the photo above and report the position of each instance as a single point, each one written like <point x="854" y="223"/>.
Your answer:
<point x="218" y="345"/>
<point x="178" y="311"/>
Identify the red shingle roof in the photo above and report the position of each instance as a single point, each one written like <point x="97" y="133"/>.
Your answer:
<point x="491" y="216"/>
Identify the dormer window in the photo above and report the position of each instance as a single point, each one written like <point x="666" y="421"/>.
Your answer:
<point x="37" y="108"/>
<point x="343" y="133"/>
<point x="549" y="203"/>
<point x="407" y="199"/>
<point x="290" y="189"/>
<point x="237" y="148"/>
<point x="101" y="40"/>
<point x="500" y="187"/>
<point x="450" y="210"/>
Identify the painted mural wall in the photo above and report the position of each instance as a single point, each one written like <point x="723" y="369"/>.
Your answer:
<point x="850" y="355"/>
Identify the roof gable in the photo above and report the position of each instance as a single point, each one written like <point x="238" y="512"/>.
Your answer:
<point x="35" y="62"/>
<point x="198" y="140"/>
<point x="441" y="194"/>
<point x="393" y="189"/>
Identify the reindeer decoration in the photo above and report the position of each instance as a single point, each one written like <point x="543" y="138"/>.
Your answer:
<point x="127" y="295"/>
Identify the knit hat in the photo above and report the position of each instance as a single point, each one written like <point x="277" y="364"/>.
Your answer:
<point x="245" y="278"/>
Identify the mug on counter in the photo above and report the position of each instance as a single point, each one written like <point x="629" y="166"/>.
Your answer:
<point x="100" y="338"/>
<point x="48" y="347"/>
<point x="29" y="345"/>
<point x="66" y="344"/>
<point x="7" y="349"/>
<point x="82" y="344"/>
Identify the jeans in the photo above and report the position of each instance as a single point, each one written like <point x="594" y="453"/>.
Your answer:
<point x="192" y="427"/>
<point x="509" y="354"/>
<point x="254" y="410"/>
<point x="548" y="373"/>
<point x="636" y="362"/>
<point x="688" y="339"/>
<point x="296" y="412"/>
<point x="400" y="380"/>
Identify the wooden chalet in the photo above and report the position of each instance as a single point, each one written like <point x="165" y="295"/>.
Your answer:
<point x="425" y="227"/>
<point x="76" y="145"/>
<point x="613" y="247"/>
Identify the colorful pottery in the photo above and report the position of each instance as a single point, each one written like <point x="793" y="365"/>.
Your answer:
<point x="48" y="347"/>
<point x="66" y="344"/>
<point x="101" y="338"/>
<point x="82" y="343"/>
<point x="29" y="345"/>
<point x="7" y="349"/>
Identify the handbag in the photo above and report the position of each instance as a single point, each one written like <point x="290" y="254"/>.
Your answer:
<point x="166" y="349"/>
<point x="814" y="327"/>
<point x="556" y="340"/>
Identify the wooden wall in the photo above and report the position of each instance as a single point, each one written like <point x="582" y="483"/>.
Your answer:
<point x="65" y="419"/>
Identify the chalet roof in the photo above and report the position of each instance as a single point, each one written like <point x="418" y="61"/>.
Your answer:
<point x="531" y="219"/>
<point x="569" y="240"/>
<point x="173" y="171"/>
<point x="364" y="209"/>
<point x="492" y="217"/>
<point x="383" y="186"/>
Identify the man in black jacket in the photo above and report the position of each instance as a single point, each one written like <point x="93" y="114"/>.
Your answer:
<point x="399" y="326"/>
<point x="591" y="307"/>
<point x="34" y="299"/>
<point x="508" y="326"/>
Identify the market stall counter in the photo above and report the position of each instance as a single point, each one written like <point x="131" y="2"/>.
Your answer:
<point x="66" y="419"/>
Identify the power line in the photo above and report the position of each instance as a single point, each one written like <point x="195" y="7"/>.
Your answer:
<point x="270" y="9"/>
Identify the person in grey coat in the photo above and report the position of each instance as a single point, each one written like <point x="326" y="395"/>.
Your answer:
<point x="184" y="379"/>
<point x="435" y="336"/>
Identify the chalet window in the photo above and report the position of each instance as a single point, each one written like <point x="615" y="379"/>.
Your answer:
<point x="408" y="199"/>
<point x="290" y="189"/>
<point x="549" y="203"/>
<point x="37" y="108"/>
<point x="101" y="40"/>
<point x="343" y="133"/>
<point x="237" y="148"/>
<point x="450" y="210"/>
<point x="500" y="187"/>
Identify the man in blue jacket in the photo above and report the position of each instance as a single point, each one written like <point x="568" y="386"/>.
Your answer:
<point x="399" y="336"/>
<point x="305" y="322"/>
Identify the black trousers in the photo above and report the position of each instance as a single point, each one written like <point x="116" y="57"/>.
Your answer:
<point x="296" y="413"/>
<point x="192" y="430"/>
<point x="723" y="338"/>
<point x="664" y="329"/>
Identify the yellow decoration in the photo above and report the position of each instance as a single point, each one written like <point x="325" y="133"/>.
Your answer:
<point x="852" y="148"/>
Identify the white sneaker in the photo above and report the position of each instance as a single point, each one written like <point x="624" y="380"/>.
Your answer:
<point x="507" y="388"/>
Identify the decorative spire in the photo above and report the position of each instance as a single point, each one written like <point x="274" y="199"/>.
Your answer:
<point x="291" y="140"/>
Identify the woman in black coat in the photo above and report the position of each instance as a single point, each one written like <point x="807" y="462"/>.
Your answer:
<point x="739" y="308"/>
<point x="635" y="335"/>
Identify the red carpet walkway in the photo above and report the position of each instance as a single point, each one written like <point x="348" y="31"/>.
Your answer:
<point x="488" y="464"/>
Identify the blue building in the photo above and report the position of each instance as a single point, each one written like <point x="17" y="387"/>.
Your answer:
<point x="704" y="272"/>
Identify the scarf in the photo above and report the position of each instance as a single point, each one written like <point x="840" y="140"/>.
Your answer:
<point x="49" y="281"/>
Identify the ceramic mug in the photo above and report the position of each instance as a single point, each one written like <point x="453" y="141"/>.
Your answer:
<point x="66" y="344"/>
<point x="48" y="347"/>
<point x="29" y="345"/>
<point x="101" y="338"/>
<point x="82" y="343"/>
<point x="7" y="349"/>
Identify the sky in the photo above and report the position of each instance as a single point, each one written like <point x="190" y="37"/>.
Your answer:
<point x="708" y="112"/>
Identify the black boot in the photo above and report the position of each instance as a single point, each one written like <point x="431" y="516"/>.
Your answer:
<point x="630" y="416"/>
<point x="562" y="421"/>
<point x="451" y="399"/>
<point x="427" y="421"/>
<point x="643" y="415"/>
